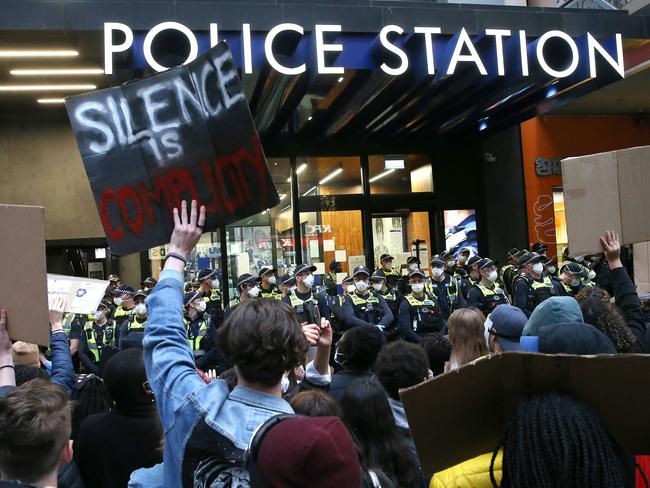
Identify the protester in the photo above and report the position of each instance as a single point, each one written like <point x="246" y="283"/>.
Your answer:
<point x="356" y="353"/>
<point x="555" y="310"/>
<point x="467" y="338"/>
<point x="504" y="328"/>
<point x="112" y="445"/>
<point x="90" y="397"/>
<point x="262" y="338"/>
<point x="34" y="431"/>
<point x="368" y="415"/>
<point x="315" y="403"/>
<point x="438" y="351"/>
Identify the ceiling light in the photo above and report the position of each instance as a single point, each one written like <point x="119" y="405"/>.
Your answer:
<point x="51" y="100"/>
<point x="340" y="80"/>
<point x="283" y="196"/>
<point x="380" y="175"/>
<point x="482" y="125"/>
<point x="309" y="191"/>
<point x="331" y="175"/>
<point x="301" y="168"/>
<point x="24" y="88"/>
<point x="38" y="53"/>
<point x="309" y="118"/>
<point x="394" y="162"/>
<point x="57" y="72"/>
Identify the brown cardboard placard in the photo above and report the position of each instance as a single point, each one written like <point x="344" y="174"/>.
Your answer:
<point x="604" y="192"/>
<point x="472" y="405"/>
<point x="23" y="287"/>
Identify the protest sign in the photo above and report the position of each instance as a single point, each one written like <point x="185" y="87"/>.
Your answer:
<point x="23" y="289"/>
<point x="82" y="294"/>
<point x="604" y="192"/>
<point x="183" y="134"/>
<point x="474" y="403"/>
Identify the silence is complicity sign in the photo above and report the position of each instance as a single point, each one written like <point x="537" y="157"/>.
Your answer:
<point x="183" y="134"/>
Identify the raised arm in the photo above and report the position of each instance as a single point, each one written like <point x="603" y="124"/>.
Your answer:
<point x="7" y="371"/>
<point x="62" y="368"/>
<point x="168" y="358"/>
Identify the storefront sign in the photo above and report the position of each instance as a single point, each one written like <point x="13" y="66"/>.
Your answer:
<point x="548" y="167"/>
<point x="440" y="53"/>
<point x="180" y="135"/>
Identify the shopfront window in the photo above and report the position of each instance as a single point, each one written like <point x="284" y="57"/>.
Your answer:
<point x="332" y="236"/>
<point x="407" y="173"/>
<point x="561" y="238"/>
<point x="264" y="239"/>
<point x="329" y="176"/>
<point x="460" y="230"/>
<point x="402" y="235"/>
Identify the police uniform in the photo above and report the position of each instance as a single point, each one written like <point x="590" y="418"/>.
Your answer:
<point x="469" y="281"/>
<point x="361" y="308"/>
<point x="244" y="279"/>
<point x="486" y="298"/>
<point x="420" y="316"/>
<point x="530" y="292"/>
<point x="393" y="298"/>
<point x="573" y="269"/>
<point x="274" y="292"/>
<point x="446" y="291"/>
<point x="213" y="298"/>
<point x="403" y="283"/>
<point x="308" y="306"/>
<point x="95" y="339"/>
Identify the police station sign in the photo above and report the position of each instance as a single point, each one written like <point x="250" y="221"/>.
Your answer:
<point x="325" y="50"/>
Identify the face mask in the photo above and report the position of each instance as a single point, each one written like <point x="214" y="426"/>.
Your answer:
<point x="413" y="266"/>
<point x="417" y="287"/>
<point x="538" y="268"/>
<point x="575" y="282"/>
<point x="450" y="264"/>
<point x="117" y="301"/>
<point x="352" y="288"/>
<point x="378" y="286"/>
<point x="437" y="272"/>
<point x="552" y="269"/>
<point x="98" y="316"/>
<point x="293" y="288"/>
<point x="462" y="259"/>
<point x="215" y="284"/>
<point x="362" y="285"/>
<point x="389" y="264"/>
<point x="595" y="259"/>
<point x="272" y="280"/>
<point x="339" y="358"/>
<point x="201" y="306"/>
<point x="592" y="274"/>
<point x="254" y="292"/>
<point x="493" y="276"/>
<point x="284" y="384"/>
<point x="140" y="309"/>
<point x="308" y="281"/>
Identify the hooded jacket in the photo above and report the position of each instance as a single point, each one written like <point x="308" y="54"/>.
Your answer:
<point x="574" y="338"/>
<point x="555" y="310"/>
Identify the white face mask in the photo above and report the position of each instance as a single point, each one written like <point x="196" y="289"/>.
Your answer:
<point x="538" y="268"/>
<point x="215" y="284"/>
<point x="254" y="292"/>
<point x="450" y="264"/>
<point x="201" y="306"/>
<point x="378" y="286"/>
<point x="575" y="282"/>
<point x="552" y="269"/>
<point x="413" y="266"/>
<point x="284" y="384"/>
<point x="98" y="316"/>
<point x="272" y="280"/>
<point x="493" y="276"/>
<point x="352" y="288"/>
<point x="437" y="272"/>
<point x="308" y="281"/>
<point x="117" y="301"/>
<point x="592" y="274"/>
<point x="140" y="309"/>
<point x="417" y="287"/>
<point x="362" y="285"/>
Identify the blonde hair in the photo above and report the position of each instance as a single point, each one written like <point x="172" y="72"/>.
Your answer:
<point x="466" y="335"/>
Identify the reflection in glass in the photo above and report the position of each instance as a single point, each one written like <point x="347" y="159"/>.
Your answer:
<point x="396" y="233"/>
<point x="409" y="173"/>
<point x="329" y="176"/>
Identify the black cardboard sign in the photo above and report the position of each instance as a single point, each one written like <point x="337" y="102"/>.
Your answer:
<point x="186" y="133"/>
<point x="464" y="413"/>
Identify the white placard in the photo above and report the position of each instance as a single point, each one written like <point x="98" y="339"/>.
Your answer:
<point x="83" y="294"/>
<point x="320" y="268"/>
<point x="313" y="249"/>
<point x="354" y="261"/>
<point x="328" y="245"/>
<point x="341" y="256"/>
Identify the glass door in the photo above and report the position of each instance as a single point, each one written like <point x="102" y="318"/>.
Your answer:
<point x="402" y="234"/>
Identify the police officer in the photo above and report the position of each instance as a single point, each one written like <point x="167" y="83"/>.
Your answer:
<point x="386" y="266"/>
<point x="114" y="281"/>
<point x="209" y="286"/>
<point x="487" y="294"/>
<point x="450" y="265"/>
<point x="419" y="313"/>
<point x="392" y="297"/>
<point x="336" y="305"/>
<point x="268" y="283"/>
<point x="472" y="278"/>
<point x="445" y="287"/>
<point x="331" y="278"/>
<point x="124" y="302"/>
<point x="148" y="284"/>
<point x="309" y="306"/>
<point x="571" y="276"/>
<point x="138" y="321"/>
<point x="364" y="306"/>
<point x="511" y="266"/>
<point x="286" y="283"/>
<point x="98" y="333"/>
<point x="248" y="288"/>
<point x="532" y="287"/>
<point x="550" y="268"/>
<point x="198" y="326"/>
<point x="72" y="326"/>
<point x="412" y="263"/>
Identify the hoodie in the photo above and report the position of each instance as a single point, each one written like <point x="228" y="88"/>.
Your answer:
<point x="574" y="338"/>
<point x="555" y="310"/>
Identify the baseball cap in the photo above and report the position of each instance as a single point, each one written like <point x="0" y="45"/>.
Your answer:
<point x="378" y="275"/>
<point x="529" y="258"/>
<point x="141" y="293"/>
<point x="245" y="278"/>
<point x="105" y="304"/>
<point x="286" y="279"/>
<point x="302" y="268"/>
<point x="207" y="273"/>
<point x="124" y="289"/>
<point x="347" y="279"/>
<point x="113" y="277"/>
<point x="412" y="259"/>
<point x="149" y="281"/>
<point x="473" y="260"/>
<point x="486" y="263"/>
<point x="385" y="257"/>
<point x="360" y="270"/>
<point x="191" y="296"/>
<point x="539" y="248"/>
<point x="416" y="272"/>
<point x="438" y="259"/>
<point x="512" y="252"/>
<point x="507" y="323"/>
<point x="266" y="269"/>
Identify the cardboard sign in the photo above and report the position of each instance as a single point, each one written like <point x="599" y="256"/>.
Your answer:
<point x="603" y="192"/>
<point x="473" y="405"/>
<point x="23" y="287"/>
<point x="183" y="134"/>
<point x="82" y="294"/>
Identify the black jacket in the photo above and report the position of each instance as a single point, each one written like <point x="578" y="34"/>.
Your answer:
<point x="341" y="381"/>
<point x="628" y="301"/>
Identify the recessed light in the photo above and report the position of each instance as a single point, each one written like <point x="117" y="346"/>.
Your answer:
<point x="38" y="53"/>
<point x="309" y="118"/>
<point x="56" y="72"/>
<point x="340" y="80"/>
<point x="51" y="100"/>
<point x="26" y="88"/>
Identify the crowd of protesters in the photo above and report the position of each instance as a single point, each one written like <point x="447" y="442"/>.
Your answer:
<point x="288" y="388"/>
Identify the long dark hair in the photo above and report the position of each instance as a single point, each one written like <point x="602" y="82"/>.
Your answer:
<point x="368" y="415"/>
<point x="555" y="440"/>
<point x="89" y="397"/>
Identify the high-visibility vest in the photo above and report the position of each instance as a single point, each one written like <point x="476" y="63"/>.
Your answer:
<point x="273" y="293"/>
<point x="538" y="291"/>
<point x="367" y="308"/>
<point x="135" y="325"/>
<point x="195" y="340"/>
<point x="215" y="296"/>
<point x="91" y="338"/>
<point x="491" y="297"/>
<point x="425" y="315"/>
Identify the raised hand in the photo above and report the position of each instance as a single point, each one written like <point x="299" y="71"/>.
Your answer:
<point x="611" y="243"/>
<point x="187" y="228"/>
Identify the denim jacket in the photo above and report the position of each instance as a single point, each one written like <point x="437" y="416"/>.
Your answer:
<point x="203" y="423"/>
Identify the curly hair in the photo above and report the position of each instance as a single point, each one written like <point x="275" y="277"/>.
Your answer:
<point x="401" y="364"/>
<point x="263" y="339"/>
<point x="360" y="347"/>
<point x="438" y="351"/>
<point x="598" y="311"/>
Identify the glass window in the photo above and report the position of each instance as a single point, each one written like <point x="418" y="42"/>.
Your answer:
<point x="264" y="239"/>
<point x="402" y="235"/>
<point x="332" y="236"/>
<point x="561" y="238"/>
<point x="460" y="230"/>
<point x="409" y="173"/>
<point x="328" y="176"/>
